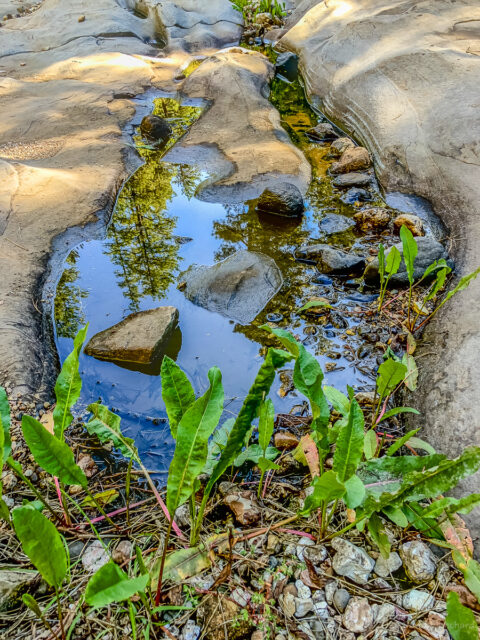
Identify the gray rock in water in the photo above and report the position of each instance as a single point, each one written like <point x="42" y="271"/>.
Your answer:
<point x="335" y="223"/>
<point x="353" y="179"/>
<point x="330" y="260"/>
<point x="238" y="287"/>
<point x="13" y="583"/>
<point x="287" y="65"/>
<point x="420" y="563"/>
<point x="429" y="250"/>
<point x="141" y="338"/>
<point x="322" y="131"/>
<point x="155" y="128"/>
<point x="282" y="200"/>
<point x="352" y="561"/>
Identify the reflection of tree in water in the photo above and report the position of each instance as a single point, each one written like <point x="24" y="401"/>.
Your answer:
<point x="69" y="316"/>
<point x="140" y="240"/>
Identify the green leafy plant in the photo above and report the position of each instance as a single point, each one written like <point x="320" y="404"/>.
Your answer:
<point x="387" y="267"/>
<point x="265" y="431"/>
<point x="111" y="584"/>
<point x="460" y="620"/>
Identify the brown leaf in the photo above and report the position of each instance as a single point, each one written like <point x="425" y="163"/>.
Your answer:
<point x="308" y="449"/>
<point x="284" y="440"/>
<point x="47" y="421"/>
<point x="457" y="534"/>
<point x="466" y="596"/>
<point x="315" y="581"/>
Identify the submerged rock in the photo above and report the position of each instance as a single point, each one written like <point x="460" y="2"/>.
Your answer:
<point x="155" y="128"/>
<point x="353" y="159"/>
<point x="353" y="179"/>
<point x="356" y="195"/>
<point x="322" y="131"/>
<point x="429" y="250"/>
<point x="238" y="287"/>
<point x="282" y="200"/>
<point x="287" y="65"/>
<point x="335" y="223"/>
<point x="414" y="223"/>
<point x="141" y="338"/>
<point x="330" y="260"/>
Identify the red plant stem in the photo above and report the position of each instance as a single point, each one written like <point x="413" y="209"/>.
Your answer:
<point x="294" y="532"/>
<point x="60" y="499"/>
<point x="113" y="513"/>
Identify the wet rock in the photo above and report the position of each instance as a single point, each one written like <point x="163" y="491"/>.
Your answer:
<point x="330" y="260"/>
<point x="238" y="287"/>
<point x="354" y="179"/>
<point x="141" y="338"/>
<point x="13" y="583"/>
<point x="386" y="566"/>
<point x="358" y="616"/>
<point x="356" y="195"/>
<point x="372" y="218"/>
<point x="341" y="598"/>
<point x="95" y="557"/>
<point x="417" y="600"/>
<point x="334" y="223"/>
<point x="414" y="223"/>
<point x="353" y="159"/>
<point x="340" y="145"/>
<point x="351" y="561"/>
<point x="284" y="440"/>
<point x="244" y="506"/>
<point x="287" y="65"/>
<point x="420" y="563"/>
<point x="282" y="200"/>
<point x="323" y="131"/>
<point x="429" y="250"/>
<point x="155" y="128"/>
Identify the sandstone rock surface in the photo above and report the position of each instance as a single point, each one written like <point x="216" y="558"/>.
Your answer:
<point x="140" y="338"/>
<point x="403" y="79"/>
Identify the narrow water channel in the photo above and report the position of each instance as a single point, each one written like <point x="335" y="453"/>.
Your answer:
<point x="159" y="229"/>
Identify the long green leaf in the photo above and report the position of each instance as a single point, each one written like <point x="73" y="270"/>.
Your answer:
<point x="396" y="411"/>
<point x="326" y="488"/>
<point x="337" y="399"/>
<point x="42" y="543"/>
<point x="411" y="376"/>
<point x="377" y="531"/>
<point x="381" y="263"/>
<point x="439" y="284"/>
<point x="460" y="620"/>
<point x="111" y="584"/>
<point x="390" y="374"/>
<point x="177" y="392"/>
<point x="50" y="453"/>
<point x="463" y="284"/>
<point x="452" y="505"/>
<point x="106" y="426"/>
<point x="349" y="449"/>
<point x="194" y="430"/>
<point x="471" y="572"/>
<point x="265" y="423"/>
<point x="435" y="266"/>
<point x="275" y="359"/>
<point x="217" y="444"/>
<point x="393" y="261"/>
<point x="429" y="483"/>
<point x="401" y="441"/>
<point x="68" y="386"/>
<point x="410" y="251"/>
<point x="5" y="426"/>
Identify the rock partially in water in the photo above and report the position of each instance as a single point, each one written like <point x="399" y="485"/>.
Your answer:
<point x="372" y="218"/>
<point x="335" y="223"/>
<point x="155" y="128"/>
<point x="414" y="223"/>
<point x="353" y="179"/>
<point x="239" y="287"/>
<point x="330" y="260"/>
<point x="322" y="132"/>
<point x="340" y="145"/>
<point x="282" y="200"/>
<point x="353" y="159"/>
<point x="140" y="338"/>
<point x="429" y="250"/>
<point x="287" y="65"/>
<point x="356" y="195"/>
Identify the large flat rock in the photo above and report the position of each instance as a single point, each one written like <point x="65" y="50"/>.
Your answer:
<point x="239" y="287"/>
<point x="141" y="338"/>
<point x="403" y="77"/>
<point x="239" y="139"/>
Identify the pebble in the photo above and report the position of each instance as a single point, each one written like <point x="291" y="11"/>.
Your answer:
<point x="316" y="553"/>
<point x="383" y="613"/>
<point x="274" y="317"/>
<point x="95" y="557"/>
<point x="330" y="589"/>
<point x="240" y="596"/>
<point x="358" y="616"/>
<point x="284" y="440"/>
<point x="417" y="600"/>
<point x="341" y="598"/>
<point x="303" y="591"/>
<point x="386" y="566"/>
<point x="301" y="546"/>
<point x="288" y="605"/>
<point x="419" y="562"/>
<point x="351" y="561"/>
<point x="303" y="606"/>
<point x="434" y="624"/>
<point x="191" y="631"/>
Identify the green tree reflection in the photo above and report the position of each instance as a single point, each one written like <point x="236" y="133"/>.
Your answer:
<point x="68" y="311"/>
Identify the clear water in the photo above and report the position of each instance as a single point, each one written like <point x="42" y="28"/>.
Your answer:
<point x="159" y="228"/>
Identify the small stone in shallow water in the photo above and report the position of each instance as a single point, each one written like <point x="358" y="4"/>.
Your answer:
<point x="353" y="179"/>
<point x="322" y="131"/>
<point x="413" y="223"/>
<point x="155" y="128"/>
<point x="330" y="260"/>
<point x="356" y="195"/>
<point x="287" y="65"/>
<point x="319" y="278"/>
<point x="335" y="223"/>
<point x="282" y="200"/>
<point x="372" y="218"/>
<point x="274" y="317"/>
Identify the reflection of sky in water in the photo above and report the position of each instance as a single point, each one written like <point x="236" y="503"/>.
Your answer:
<point x="137" y="265"/>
